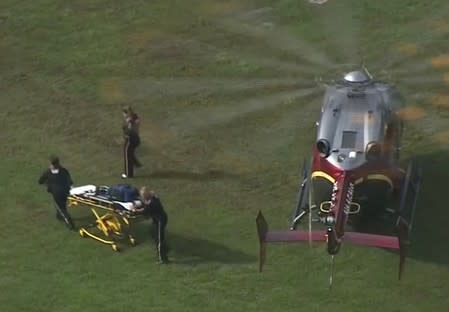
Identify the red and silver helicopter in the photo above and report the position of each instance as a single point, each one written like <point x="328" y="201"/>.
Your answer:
<point x="353" y="178"/>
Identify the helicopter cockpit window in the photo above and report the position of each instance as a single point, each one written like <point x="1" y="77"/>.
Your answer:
<point x="348" y="139"/>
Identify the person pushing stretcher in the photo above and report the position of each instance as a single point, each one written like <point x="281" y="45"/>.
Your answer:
<point x="153" y="208"/>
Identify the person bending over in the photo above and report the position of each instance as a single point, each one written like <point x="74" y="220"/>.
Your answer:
<point x="153" y="208"/>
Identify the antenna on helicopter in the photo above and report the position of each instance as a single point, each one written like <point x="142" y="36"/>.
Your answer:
<point x="331" y="276"/>
<point x="366" y="71"/>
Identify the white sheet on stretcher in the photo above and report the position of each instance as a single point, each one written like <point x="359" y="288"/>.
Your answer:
<point x="83" y="190"/>
<point x="89" y="192"/>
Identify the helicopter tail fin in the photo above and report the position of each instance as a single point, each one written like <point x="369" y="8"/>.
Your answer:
<point x="266" y="236"/>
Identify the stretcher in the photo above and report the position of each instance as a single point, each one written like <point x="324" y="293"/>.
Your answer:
<point x="112" y="217"/>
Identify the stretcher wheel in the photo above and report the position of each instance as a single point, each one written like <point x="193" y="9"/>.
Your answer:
<point x="115" y="247"/>
<point x="81" y="231"/>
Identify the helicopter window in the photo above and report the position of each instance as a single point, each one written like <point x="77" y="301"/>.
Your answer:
<point x="348" y="139"/>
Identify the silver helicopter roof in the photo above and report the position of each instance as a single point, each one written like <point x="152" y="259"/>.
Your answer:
<point x="355" y="113"/>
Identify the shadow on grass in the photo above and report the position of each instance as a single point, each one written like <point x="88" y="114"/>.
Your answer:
<point x="190" y="250"/>
<point x="430" y="234"/>
<point x="194" y="250"/>
<point x="193" y="176"/>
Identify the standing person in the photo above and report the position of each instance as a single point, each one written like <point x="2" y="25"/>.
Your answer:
<point x="152" y="208"/>
<point x="58" y="181"/>
<point x="132" y="141"/>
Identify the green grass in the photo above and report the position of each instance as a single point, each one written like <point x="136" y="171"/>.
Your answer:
<point x="215" y="150"/>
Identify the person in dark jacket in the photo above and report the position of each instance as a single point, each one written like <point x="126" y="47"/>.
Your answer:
<point x="59" y="182"/>
<point x="153" y="208"/>
<point x="132" y="141"/>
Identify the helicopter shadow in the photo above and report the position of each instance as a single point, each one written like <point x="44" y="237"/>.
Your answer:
<point x="430" y="235"/>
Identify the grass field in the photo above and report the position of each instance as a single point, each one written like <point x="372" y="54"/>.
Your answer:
<point x="227" y="94"/>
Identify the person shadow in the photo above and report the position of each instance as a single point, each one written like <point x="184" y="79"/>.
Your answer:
<point x="191" y="250"/>
<point x="192" y="176"/>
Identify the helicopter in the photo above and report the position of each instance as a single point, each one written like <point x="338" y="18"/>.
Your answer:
<point x="353" y="179"/>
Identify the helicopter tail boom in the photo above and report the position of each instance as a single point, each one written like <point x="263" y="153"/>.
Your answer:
<point x="399" y="242"/>
<point x="372" y="240"/>
<point x="266" y="236"/>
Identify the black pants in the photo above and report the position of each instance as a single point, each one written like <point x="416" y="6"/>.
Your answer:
<point x="158" y="234"/>
<point x="61" y="209"/>
<point x="129" y="153"/>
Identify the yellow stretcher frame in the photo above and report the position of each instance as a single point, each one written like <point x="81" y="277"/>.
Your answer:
<point x="112" y="225"/>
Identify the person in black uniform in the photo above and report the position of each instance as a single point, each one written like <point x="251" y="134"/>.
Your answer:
<point x="153" y="208"/>
<point x="59" y="182"/>
<point x="132" y="141"/>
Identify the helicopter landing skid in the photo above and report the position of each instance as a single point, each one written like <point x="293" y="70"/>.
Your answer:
<point x="302" y="204"/>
